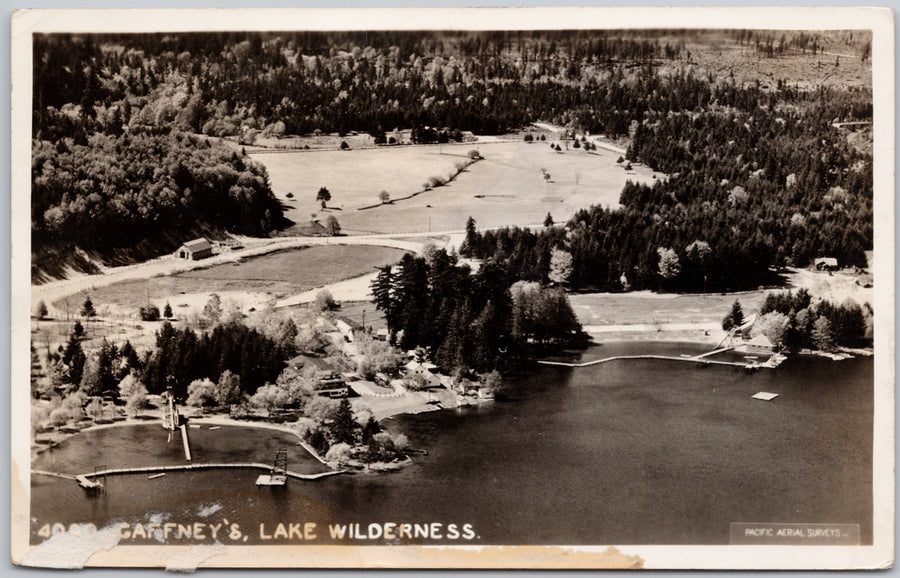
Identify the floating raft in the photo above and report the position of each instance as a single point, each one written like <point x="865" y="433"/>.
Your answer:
<point x="271" y="480"/>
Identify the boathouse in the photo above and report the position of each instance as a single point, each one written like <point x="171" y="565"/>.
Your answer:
<point x="195" y="250"/>
<point x="760" y="344"/>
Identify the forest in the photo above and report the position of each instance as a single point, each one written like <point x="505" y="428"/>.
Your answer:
<point x="115" y="192"/>
<point x="180" y="357"/>
<point x="754" y="176"/>
<point x="752" y="187"/>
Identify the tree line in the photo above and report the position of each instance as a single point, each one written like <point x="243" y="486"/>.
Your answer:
<point x="793" y="319"/>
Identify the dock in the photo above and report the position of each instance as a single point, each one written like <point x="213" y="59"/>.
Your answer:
<point x="197" y="467"/>
<point x="713" y="352"/>
<point x="88" y="484"/>
<point x="701" y="360"/>
<point x="270" y="480"/>
<point x="54" y="474"/>
<point x="82" y="480"/>
<point x="187" y="443"/>
<point x="278" y="475"/>
<point x="692" y="359"/>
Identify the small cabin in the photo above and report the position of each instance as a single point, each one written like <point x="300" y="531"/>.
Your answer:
<point x="195" y="250"/>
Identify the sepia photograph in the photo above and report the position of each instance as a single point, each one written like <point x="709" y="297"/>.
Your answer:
<point x="453" y="288"/>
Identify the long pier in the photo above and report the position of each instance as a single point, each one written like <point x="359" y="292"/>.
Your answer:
<point x="186" y="442"/>
<point x="182" y="467"/>
<point x="713" y="352"/>
<point x="209" y="466"/>
<point x="694" y="359"/>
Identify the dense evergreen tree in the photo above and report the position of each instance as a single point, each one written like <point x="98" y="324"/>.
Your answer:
<point x="467" y="321"/>
<point x="343" y="425"/>
<point x="74" y="359"/>
<point x="734" y="318"/>
<point x="181" y="356"/>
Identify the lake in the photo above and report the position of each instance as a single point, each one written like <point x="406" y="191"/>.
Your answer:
<point x="625" y="452"/>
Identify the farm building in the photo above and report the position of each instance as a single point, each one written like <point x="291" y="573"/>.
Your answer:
<point x="313" y="229"/>
<point x="826" y="264"/>
<point x="760" y="344"/>
<point x="195" y="250"/>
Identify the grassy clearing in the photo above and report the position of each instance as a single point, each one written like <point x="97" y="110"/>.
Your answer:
<point x="273" y="275"/>
<point x="354" y="177"/>
<point x="506" y="188"/>
<point x="649" y="308"/>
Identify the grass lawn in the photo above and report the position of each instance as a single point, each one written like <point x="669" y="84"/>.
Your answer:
<point x="273" y="275"/>
<point x="646" y="307"/>
<point x="507" y="187"/>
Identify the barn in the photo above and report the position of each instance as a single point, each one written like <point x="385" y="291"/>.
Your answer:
<point x="195" y="250"/>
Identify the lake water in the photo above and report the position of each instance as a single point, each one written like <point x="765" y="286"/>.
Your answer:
<point x="625" y="452"/>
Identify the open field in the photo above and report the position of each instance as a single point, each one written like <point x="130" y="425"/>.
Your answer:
<point x="648" y="316"/>
<point x="644" y="307"/>
<point x="355" y="177"/>
<point x="252" y="281"/>
<point x="507" y="187"/>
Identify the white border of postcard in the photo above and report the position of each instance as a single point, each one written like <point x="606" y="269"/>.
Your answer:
<point x="879" y="20"/>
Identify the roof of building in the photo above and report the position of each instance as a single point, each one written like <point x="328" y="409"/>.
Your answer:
<point x="309" y="361"/>
<point x="760" y="341"/>
<point x="415" y="365"/>
<point x="312" y="228"/>
<point x="830" y="261"/>
<point x="198" y="244"/>
<point x="351" y="324"/>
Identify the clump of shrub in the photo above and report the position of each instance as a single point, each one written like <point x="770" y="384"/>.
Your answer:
<point x="325" y="301"/>
<point x="149" y="313"/>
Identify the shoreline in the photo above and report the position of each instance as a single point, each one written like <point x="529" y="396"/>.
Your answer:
<point x="613" y="335"/>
